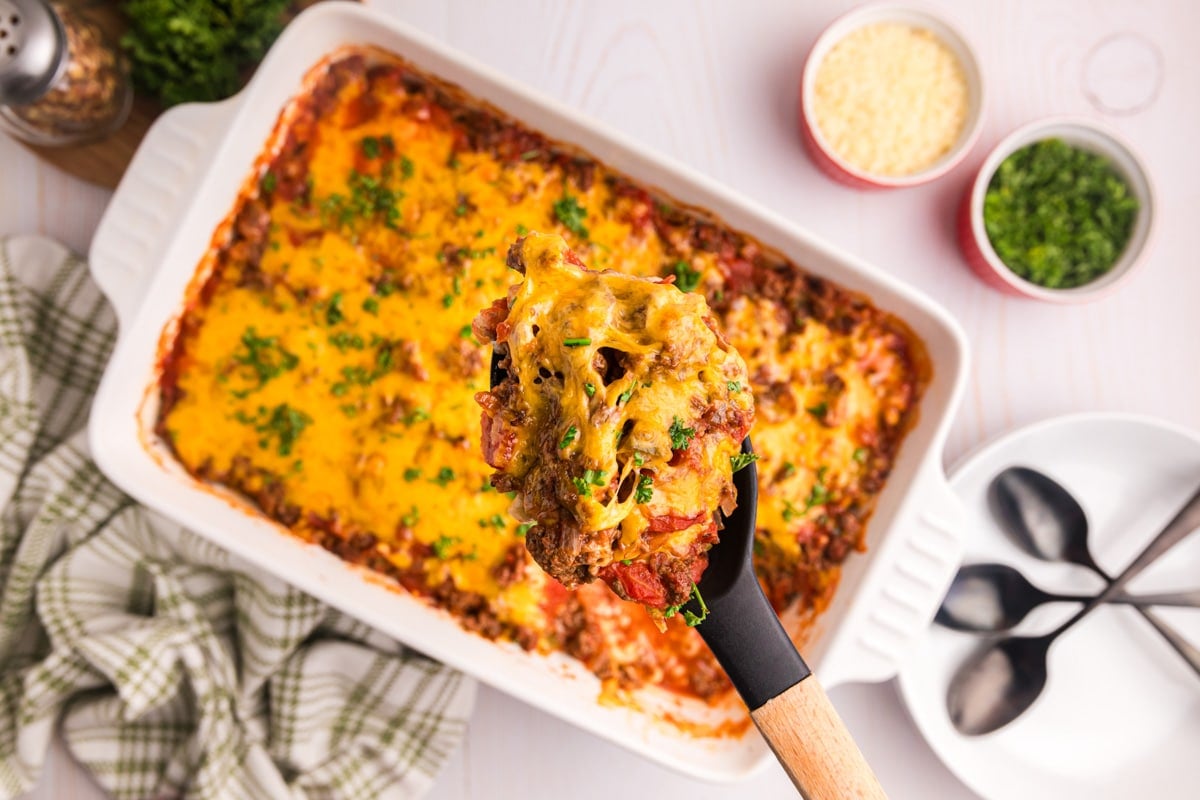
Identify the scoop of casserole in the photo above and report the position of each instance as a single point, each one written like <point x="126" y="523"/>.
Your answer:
<point x="617" y="423"/>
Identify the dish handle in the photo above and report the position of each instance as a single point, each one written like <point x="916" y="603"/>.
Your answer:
<point x="153" y="196"/>
<point x="905" y="594"/>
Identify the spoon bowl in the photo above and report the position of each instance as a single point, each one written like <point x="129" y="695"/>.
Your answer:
<point x="998" y="683"/>
<point x="1041" y="517"/>
<point x="990" y="598"/>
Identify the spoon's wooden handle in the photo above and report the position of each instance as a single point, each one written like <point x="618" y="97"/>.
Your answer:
<point x="812" y="743"/>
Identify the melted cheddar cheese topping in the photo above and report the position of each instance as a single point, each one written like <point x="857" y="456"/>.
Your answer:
<point x="325" y="366"/>
<point x="627" y="409"/>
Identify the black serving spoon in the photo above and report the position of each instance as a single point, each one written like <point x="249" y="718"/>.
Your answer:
<point x="1002" y="679"/>
<point x="786" y="702"/>
<point x="991" y="598"/>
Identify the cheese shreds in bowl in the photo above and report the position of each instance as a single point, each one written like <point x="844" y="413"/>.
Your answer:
<point x="890" y="99"/>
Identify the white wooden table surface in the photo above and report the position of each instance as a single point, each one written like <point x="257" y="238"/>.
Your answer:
<point x="714" y="85"/>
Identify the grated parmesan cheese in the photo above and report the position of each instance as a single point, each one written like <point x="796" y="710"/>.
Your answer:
<point x="890" y="99"/>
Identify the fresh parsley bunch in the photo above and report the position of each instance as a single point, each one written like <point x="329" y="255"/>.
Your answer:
<point x="185" y="51"/>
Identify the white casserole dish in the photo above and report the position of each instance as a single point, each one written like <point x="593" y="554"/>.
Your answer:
<point x="182" y="184"/>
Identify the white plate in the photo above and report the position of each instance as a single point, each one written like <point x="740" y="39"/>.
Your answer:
<point x="1120" y="715"/>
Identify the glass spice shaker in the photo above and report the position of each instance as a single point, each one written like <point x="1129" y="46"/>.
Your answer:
<point x="61" y="81"/>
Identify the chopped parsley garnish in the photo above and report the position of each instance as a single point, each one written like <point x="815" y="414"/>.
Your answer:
<point x="789" y="469"/>
<point x="691" y="619"/>
<point x="681" y="437"/>
<point x="345" y="341"/>
<point x="860" y="454"/>
<point x="734" y="386"/>
<point x="645" y="489"/>
<point x="383" y="361"/>
<point x="591" y="477"/>
<point x="267" y="184"/>
<point x="624" y="396"/>
<point x="521" y="229"/>
<point x="819" y="410"/>
<point x="353" y="376"/>
<point x="411" y="518"/>
<point x="568" y="437"/>
<point x="571" y="215"/>
<point x="529" y="155"/>
<point x="416" y="415"/>
<point x="1057" y="215"/>
<point x="465" y="332"/>
<point x="639" y="459"/>
<point x="283" y="424"/>
<point x="443" y="477"/>
<point x="333" y="311"/>
<point x="524" y="528"/>
<point x="371" y="305"/>
<point x="578" y="341"/>
<point x="447" y="300"/>
<point x="370" y="147"/>
<point x="740" y="461"/>
<point x="589" y="389"/>
<point x="818" y="495"/>
<point x="442" y="545"/>
<point x="407" y="169"/>
<point x="369" y="198"/>
<point x="686" y="278"/>
<point x="412" y="473"/>
<point x="264" y="356"/>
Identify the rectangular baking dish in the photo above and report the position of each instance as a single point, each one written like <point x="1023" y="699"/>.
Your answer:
<point x="183" y="182"/>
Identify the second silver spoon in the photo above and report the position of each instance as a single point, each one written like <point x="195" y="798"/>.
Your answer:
<point x="991" y="598"/>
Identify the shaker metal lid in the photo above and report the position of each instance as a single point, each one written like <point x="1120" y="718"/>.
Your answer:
<point x="32" y="45"/>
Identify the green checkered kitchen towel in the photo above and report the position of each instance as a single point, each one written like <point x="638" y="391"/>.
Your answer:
<point x="170" y="668"/>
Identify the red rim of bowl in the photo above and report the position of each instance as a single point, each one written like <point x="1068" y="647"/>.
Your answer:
<point x="1081" y="132"/>
<point x="824" y="156"/>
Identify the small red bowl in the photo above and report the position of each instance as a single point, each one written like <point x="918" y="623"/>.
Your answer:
<point x="1078" y="132"/>
<point x="823" y="154"/>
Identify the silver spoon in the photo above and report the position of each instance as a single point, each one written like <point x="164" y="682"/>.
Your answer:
<point x="992" y="598"/>
<point x="1003" y="678"/>
<point x="1046" y="521"/>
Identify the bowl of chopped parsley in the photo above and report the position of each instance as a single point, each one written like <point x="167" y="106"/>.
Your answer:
<point x="1060" y="211"/>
